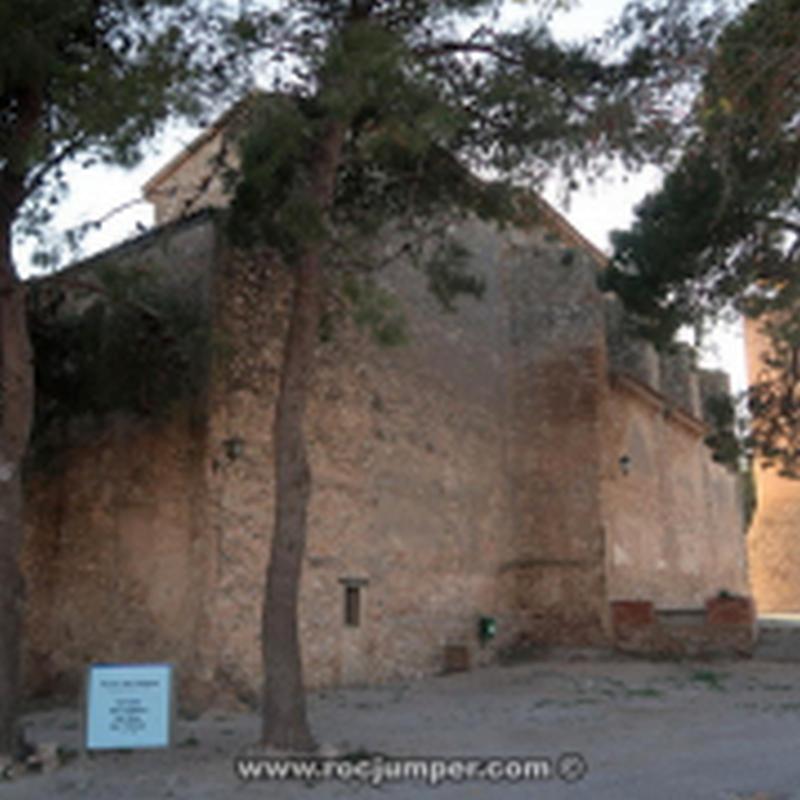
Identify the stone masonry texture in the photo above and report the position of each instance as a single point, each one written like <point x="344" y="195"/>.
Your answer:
<point x="474" y="471"/>
<point x="772" y="541"/>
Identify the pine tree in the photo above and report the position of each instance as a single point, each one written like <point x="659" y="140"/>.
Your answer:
<point x="401" y="115"/>
<point x="724" y="230"/>
<point x="88" y="78"/>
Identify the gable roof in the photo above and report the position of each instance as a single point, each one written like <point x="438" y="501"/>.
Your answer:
<point x="153" y="183"/>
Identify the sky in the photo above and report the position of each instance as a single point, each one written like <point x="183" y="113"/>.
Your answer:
<point x="593" y="210"/>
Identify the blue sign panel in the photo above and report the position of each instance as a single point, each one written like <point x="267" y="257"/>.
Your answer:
<point x="128" y="706"/>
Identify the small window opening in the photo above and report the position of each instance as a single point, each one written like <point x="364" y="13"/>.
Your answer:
<point x="352" y="606"/>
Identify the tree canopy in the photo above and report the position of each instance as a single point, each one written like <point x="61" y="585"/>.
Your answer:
<point x="398" y="119"/>
<point x="92" y="80"/>
<point x="395" y="117"/>
<point x="446" y="110"/>
<point x="89" y="79"/>
<point x="724" y="230"/>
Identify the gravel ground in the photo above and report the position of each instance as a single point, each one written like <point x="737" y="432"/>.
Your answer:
<point x="666" y="731"/>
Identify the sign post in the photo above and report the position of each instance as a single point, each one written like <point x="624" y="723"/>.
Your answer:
<point x="128" y="706"/>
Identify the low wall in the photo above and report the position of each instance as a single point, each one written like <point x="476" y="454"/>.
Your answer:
<point x="724" y="626"/>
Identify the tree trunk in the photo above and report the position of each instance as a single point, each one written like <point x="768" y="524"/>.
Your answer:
<point x="285" y="721"/>
<point x="16" y="410"/>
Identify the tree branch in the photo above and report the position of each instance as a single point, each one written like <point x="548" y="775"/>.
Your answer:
<point x="37" y="178"/>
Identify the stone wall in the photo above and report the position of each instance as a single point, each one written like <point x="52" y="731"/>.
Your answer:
<point x="192" y="181"/>
<point x="674" y="517"/>
<point x="557" y="374"/>
<point x="116" y="547"/>
<point x="772" y="541"/>
<point x="115" y="553"/>
<point x="724" y="626"/>
<point x="473" y="472"/>
<point x="417" y="455"/>
<point x="437" y="494"/>
<point x="675" y="529"/>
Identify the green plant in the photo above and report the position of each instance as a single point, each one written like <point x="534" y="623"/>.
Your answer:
<point x="110" y="339"/>
<point x="709" y="679"/>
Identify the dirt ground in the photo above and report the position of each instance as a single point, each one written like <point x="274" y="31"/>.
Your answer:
<point x="717" y="731"/>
